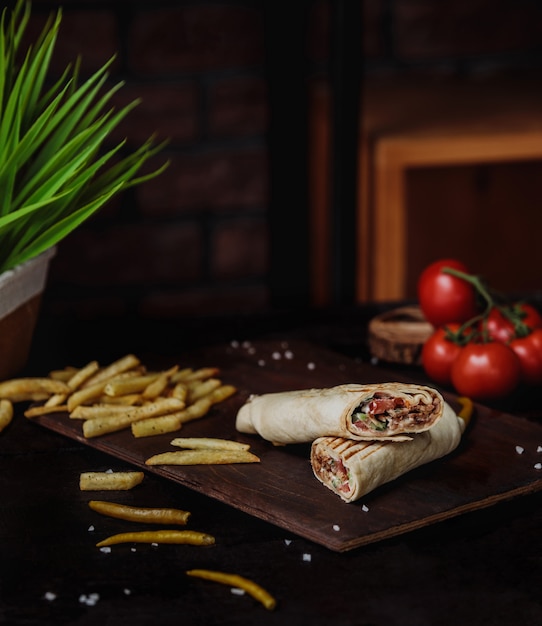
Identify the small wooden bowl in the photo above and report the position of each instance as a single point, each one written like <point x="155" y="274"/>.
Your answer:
<point x="397" y="336"/>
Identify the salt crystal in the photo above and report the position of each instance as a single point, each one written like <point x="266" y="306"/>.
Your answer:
<point x="276" y="356"/>
<point x="91" y="529"/>
<point x="90" y="600"/>
<point x="133" y="550"/>
<point x="109" y="471"/>
<point x="539" y="449"/>
<point x="520" y="450"/>
<point x="289" y="355"/>
<point x="374" y="360"/>
<point x="251" y="350"/>
<point x="364" y="508"/>
<point x="246" y="344"/>
<point x="287" y="541"/>
<point x="238" y="592"/>
<point x="105" y="549"/>
<point x="234" y="343"/>
<point x="311" y="366"/>
<point x="127" y="592"/>
<point x="261" y="363"/>
<point x="154" y="544"/>
<point x="49" y="595"/>
<point x="538" y="466"/>
<point x="336" y="527"/>
<point x="307" y="557"/>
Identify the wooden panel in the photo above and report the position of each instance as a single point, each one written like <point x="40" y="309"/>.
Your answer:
<point x="282" y="489"/>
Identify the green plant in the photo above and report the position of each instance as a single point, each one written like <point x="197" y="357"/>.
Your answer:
<point x="55" y="168"/>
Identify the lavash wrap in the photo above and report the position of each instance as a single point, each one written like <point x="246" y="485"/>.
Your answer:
<point x="302" y="416"/>
<point x="374" y="463"/>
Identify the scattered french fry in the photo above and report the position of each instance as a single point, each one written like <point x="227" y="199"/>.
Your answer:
<point x="188" y="374"/>
<point x="93" y="411"/>
<point x="237" y="582"/>
<point x="203" y="456"/>
<point x="122" y="395"/>
<point x="119" y="421"/>
<point x="200" y="389"/>
<point x="31" y="389"/>
<point x="156" y="425"/>
<point x="6" y="413"/>
<point x="123" y="386"/>
<point x="180" y="391"/>
<point x="85" y="395"/>
<point x="109" y="481"/>
<point x="195" y="443"/>
<point x="63" y="374"/>
<point x="78" y="378"/>
<point x="140" y="514"/>
<point x="200" y="408"/>
<point x="128" y="362"/>
<point x="222" y="393"/>
<point x="45" y="409"/>
<point x="157" y="386"/>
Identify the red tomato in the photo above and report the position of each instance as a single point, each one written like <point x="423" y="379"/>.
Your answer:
<point x="532" y="317"/>
<point x="444" y="298"/>
<point x="486" y="371"/>
<point x="438" y="354"/>
<point x="529" y="351"/>
<point x="499" y="327"/>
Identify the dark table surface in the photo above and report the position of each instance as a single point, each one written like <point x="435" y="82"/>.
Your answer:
<point x="480" y="568"/>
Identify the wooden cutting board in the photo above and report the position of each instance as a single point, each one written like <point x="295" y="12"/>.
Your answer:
<point x="485" y="469"/>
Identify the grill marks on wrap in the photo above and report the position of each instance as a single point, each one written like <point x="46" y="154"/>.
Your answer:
<point x="330" y="457"/>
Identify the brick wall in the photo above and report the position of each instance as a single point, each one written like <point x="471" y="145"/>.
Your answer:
<point x="196" y="239"/>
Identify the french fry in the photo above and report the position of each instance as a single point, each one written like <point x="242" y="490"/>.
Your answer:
<point x="124" y="386"/>
<point x="45" y="409"/>
<point x="128" y="400"/>
<point x="63" y="374"/>
<point x="237" y="582"/>
<point x="140" y="514"/>
<point x="85" y="395"/>
<point x="180" y="391"/>
<point x="222" y="393"/>
<point x="109" y="481"/>
<point x="113" y="423"/>
<point x="156" y="425"/>
<point x="207" y="456"/>
<point x="123" y="364"/>
<point x="74" y="382"/>
<point x="195" y="443"/>
<point x="31" y="389"/>
<point x="157" y="386"/>
<point x="199" y="389"/>
<point x="200" y="408"/>
<point x="6" y="413"/>
<point x="192" y="537"/>
<point x="93" y="411"/>
<point x="189" y="375"/>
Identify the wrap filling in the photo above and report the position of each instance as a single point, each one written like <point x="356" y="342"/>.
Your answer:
<point x="385" y="412"/>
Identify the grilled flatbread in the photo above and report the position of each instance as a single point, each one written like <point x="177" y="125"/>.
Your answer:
<point x="383" y="411"/>
<point x="352" y="469"/>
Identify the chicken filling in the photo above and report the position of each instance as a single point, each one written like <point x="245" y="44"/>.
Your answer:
<point x="334" y="472"/>
<point x="387" y="413"/>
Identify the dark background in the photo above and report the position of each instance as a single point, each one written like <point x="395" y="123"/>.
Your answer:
<point x="198" y="240"/>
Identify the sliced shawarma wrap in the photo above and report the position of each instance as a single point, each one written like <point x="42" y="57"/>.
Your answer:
<point x="352" y="469"/>
<point x="363" y="412"/>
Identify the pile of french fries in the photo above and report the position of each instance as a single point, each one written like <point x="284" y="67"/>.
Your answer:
<point x="122" y="395"/>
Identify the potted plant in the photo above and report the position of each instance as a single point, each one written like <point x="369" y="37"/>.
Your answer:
<point x="57" y="167"/>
